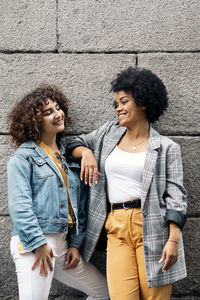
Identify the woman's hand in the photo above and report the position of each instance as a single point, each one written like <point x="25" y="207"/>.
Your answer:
<point x="72" y="258"/>
<point x="170" y="251"/>
<point x="169" y="254"/>
<point x="89" y="167"/>
<point x="43" y="256"/>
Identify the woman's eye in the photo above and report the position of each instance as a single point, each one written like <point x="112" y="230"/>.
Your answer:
<point x="47" y="113"/>
<point x="124" y="102"/>
<point x="115" y="105"/>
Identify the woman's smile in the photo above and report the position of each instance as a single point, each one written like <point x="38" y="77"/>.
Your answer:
<point x="127" y="111"/>
<point x="53" y="118"/>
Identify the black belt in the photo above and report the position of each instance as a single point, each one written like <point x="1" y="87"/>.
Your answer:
<point x="127" y="204"/>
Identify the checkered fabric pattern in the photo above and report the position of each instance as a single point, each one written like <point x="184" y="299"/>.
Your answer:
<point x="162" y="192"/>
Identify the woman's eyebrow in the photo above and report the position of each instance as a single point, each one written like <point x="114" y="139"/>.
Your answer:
<point x="121" y="98"/>
<point x="46" y="110"/>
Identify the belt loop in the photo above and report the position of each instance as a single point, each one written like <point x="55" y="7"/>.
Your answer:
<point x="111" y="208"/>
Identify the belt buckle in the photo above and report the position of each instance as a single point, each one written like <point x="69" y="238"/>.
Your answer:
<point x="124" y="205"/>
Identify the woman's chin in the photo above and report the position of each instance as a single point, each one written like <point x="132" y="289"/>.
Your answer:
<point x="122" y="123"/>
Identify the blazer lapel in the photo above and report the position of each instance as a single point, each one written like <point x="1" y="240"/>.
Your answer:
<point x="150" y="162"/>
<point x="110" y="145"/>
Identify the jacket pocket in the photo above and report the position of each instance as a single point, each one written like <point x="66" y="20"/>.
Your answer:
<point x="40" y="168"/>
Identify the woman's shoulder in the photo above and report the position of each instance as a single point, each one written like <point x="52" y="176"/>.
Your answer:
<point x="109" y="127"/>
<point x="165" y="141"/>
<point x="24" y="150"/>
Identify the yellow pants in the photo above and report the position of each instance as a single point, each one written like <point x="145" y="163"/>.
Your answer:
<point x="126" y="272"/>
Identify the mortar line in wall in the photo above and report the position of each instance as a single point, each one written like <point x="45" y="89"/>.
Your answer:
<point x="7" y="51"/>
<point x="136" y="61"/>
<point x="10" y="52"/>
<point x="57" y="35"/>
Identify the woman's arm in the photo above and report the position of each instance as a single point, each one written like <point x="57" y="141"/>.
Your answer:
<point x="175" y="198"/>
<point x="89" y="167"/>
<point x="83" y="147"/>
<point x="170" y="251"/>
<point x="21" y="211"/>
<point x="175" y="193"/>
<point x="20" y="203"/>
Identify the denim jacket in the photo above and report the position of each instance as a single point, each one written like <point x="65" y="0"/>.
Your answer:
<point x="37" y="197"/>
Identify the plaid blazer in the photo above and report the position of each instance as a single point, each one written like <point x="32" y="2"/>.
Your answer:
<point x="163" y="197"/>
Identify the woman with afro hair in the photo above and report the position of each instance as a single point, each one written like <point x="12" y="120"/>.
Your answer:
<point x="47" y="201"/>
<point x="141" y="179"/>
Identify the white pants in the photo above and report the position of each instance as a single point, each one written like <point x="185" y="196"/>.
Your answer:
<point x="32" y="286"/>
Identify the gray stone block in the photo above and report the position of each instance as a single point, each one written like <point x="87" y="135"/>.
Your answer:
<point x="190" y="285"/>
<point x="138" y="25"/>
<point x="28" y="25"/>
<point x="190" y="147"/>
<point x="5" y="152"/>
<point x="180" y="73"/>
<point x="84" y="78"/>
<point x="8" y="277"/>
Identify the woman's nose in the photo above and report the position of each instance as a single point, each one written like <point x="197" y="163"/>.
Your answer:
<point x="118" y="107"/>
<point x="57" y="114"/>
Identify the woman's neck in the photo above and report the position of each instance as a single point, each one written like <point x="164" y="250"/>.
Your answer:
<point x="138" y="131"/>
<point x="50" y="142"/>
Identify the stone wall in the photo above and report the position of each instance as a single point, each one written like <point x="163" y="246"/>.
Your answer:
<point x="80" y="45"/>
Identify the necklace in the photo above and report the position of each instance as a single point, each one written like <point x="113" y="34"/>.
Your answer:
<point x="58" y="156"/>
<point x="136" y="145"/>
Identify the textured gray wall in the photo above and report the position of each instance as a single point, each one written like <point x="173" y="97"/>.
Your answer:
<point x="81" y="45"/>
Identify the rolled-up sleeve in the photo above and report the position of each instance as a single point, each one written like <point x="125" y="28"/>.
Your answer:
<point x="88" y="140"/>
<point x="175" y="193"/>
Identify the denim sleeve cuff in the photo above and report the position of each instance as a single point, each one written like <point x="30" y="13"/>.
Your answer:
<point x="75" y="243"/>
<point x="72" y="145"/>
<point x="176" y="217"/>
<point x="34" y="245"/>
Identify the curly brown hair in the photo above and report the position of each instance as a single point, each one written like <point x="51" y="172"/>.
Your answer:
<point x="26" y="116"/>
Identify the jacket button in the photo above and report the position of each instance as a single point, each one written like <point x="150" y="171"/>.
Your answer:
<point x="61" y="205"/>
<point x="144" y="213"/>
<point x="60" y="185"/>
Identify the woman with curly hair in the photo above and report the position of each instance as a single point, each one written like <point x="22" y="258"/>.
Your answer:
<point x="141" y="177"/>
<point x="47" y="201"/>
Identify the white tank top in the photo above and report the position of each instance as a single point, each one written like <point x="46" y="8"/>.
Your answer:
<point x="124" y="175"/>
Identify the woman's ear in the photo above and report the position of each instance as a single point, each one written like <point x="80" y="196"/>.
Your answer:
<point x="143" y="107"/>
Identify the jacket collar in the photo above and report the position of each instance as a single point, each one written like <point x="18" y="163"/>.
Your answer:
<point x="42" y="154"/>
<point x="33" y="145"/>
<point x="154" y="136"/>
<point x="150" y="164"/>
<point x="154" y="139"/>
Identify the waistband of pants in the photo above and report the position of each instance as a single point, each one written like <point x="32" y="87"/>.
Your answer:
<point x="132" y="203"/>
